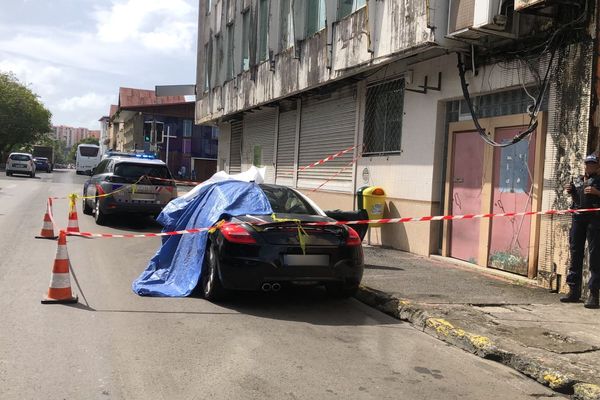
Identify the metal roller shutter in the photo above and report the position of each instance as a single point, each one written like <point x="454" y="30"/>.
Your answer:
<point x="327" y="126"/>
<point x="286" y="144"/>
<point x="235" y="148"/>
<point x="258" y="141"/>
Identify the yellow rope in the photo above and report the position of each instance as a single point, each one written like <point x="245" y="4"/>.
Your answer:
<point x="302" y="235"/>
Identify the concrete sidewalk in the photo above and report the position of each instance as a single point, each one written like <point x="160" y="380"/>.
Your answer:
<point x="495" y="316"/>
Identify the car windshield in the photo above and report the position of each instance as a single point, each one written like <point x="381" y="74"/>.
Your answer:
<point x="284" y="200"/>
<point x="88" y="151"/>
<point x="135" y="171"/>
<point x="20" y="157"/>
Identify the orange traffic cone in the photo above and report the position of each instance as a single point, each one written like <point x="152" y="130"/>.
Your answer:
<point x="73" y="221"/>
<point x="48" y="224"/>
<point x="60" y="282"/>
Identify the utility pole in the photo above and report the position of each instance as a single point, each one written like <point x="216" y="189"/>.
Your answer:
<point x="168" y="136"/>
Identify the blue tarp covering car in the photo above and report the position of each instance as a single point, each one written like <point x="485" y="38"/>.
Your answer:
<point x="176" y="268"/>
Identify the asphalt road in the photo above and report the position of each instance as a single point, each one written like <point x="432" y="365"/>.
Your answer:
<point x="116" y="345"/>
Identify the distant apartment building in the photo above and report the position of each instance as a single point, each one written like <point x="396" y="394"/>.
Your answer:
<point x="71" y="135"/>
<point x="95" y="134"/>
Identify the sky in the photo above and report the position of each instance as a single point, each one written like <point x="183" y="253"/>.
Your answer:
<point x="75" y="54"/>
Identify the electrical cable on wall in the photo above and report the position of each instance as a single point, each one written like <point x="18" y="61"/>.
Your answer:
<point x="524" y="56"/>
<point x="533" y="122"/>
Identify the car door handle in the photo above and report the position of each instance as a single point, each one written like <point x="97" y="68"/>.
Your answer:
<point x="458" y="180"/>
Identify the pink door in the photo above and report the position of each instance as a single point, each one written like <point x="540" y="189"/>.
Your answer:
<point x="467" y="176"/>
<point x="513" y="183"/>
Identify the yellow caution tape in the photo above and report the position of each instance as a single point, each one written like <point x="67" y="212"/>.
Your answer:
<point x="133" y="189"/>
<point x="217" y="226"/>
<point x="72" y="199"/>
<point x="302" y="235"/>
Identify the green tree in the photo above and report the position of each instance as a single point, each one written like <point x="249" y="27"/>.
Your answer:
<point x="60" y="151"/>
<point x="23" y="118"/>
<point x="89" y="140"/>
<point x="60" y="147"/>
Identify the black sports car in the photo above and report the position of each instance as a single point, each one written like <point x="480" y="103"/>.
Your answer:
<point x="257" y="252"/>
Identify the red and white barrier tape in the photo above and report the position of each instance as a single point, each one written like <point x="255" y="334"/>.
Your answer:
<point x="334" y="175"/>
<point x="357" y="222"/>
<point x="324" y="160"/>
<point x="450" y="217"/>
<point x="140" y="235"/>
<point x="329" y="158"/>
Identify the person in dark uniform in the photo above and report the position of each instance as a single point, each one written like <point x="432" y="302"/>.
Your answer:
<point x="585" y="192"/>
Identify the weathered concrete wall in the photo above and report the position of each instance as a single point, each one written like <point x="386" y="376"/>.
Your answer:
<point x="566" y="145"/>
<point x="367" y="37"/>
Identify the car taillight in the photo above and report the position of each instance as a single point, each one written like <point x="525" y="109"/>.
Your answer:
<point x="235" y="233"/>
<point x="353" y="238"/>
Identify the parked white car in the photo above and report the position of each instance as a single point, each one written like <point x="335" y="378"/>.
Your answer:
<point x="20" y="163"/>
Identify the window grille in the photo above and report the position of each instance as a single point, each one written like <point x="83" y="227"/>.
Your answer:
<point x="383" y="118"/>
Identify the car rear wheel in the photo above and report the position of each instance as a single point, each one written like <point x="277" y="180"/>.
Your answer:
<point x="87" y="210"/>
<point x="8" y="173"/>
<point x="212" y="289"/>
<point x="99" y="216"/>
<point x="341" y="289"/>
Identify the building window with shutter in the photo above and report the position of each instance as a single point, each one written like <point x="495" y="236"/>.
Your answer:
<point x="246" y="41"/>
<point x="383" y="118"/>
<point x="207" y="67"/>
<point x="315" y="16"/>
<point x="230" y="61"/>
<point x="287" y="25"/>
<point x="218" y="58"/>
<point x="347" y="7"/>
<point x="263" y="30"/>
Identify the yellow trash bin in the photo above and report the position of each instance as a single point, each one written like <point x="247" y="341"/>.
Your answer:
<point x="374" y="202"/>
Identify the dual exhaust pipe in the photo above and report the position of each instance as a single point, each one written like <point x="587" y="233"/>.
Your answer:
<point x="268" y="287"/>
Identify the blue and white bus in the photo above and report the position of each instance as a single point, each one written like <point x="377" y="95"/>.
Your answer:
<point x="88" y="156"/>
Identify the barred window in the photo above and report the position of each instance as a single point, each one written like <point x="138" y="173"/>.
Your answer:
<point x="383" y="118"/>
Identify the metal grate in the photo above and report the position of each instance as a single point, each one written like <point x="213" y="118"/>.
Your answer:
<point x="383" y="118"/>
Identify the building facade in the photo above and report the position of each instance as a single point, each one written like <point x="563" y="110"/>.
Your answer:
<point x="104" y="133"/>
<point x="164" y="125"/>
<point x="289" y="83"/>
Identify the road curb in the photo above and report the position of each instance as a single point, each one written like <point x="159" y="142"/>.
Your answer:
<point x="482" y="346"/>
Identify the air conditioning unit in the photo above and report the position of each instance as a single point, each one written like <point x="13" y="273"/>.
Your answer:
<point x="523" y="4"/>
<point x="474" y="19"/>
